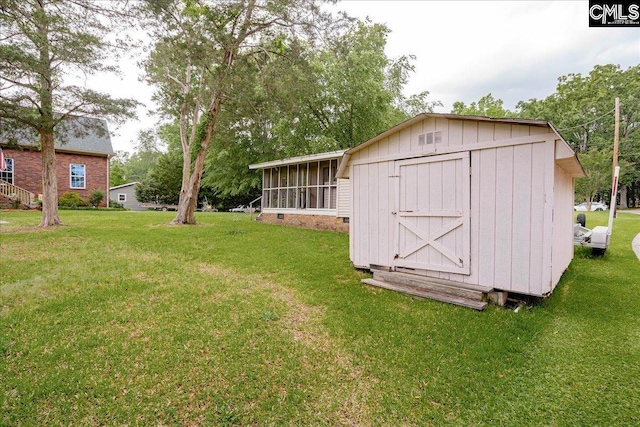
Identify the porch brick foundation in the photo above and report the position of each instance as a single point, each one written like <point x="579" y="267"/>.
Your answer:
<point x="319" y="222"/>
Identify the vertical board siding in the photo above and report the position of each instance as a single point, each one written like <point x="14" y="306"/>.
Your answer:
<point x="537" y="248"/>
<point x="362" y="215"/>
<point x="353" y="218"/>
<point x="436" y="178"/>
<point x="501" y="131"/>
<point x="422" y="198"/>
<point x="404" y="141"/>
<point x="373" y="209"/>
<point x="410" y="197"/>
<point x="521" y="235"/>
<point x="343" y="204"/>
<point x="504" y="216"/>
<point x="449" y="186"/>
<point x="442" y="125"/>
<point x="486" y="132"/>
<point x="469" y="132"/>
<point x="454" y="135"/>
<point x="563" y="223"/>
<point x="475" y="218"/>
<point x="517" y="243"/>
<point x="486" y="212"/>
<point x="549" y="200"/>
<point x="383" y="213"/>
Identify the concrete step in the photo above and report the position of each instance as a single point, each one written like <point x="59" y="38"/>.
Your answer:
<point x="463" y="290"/>
<point x="426" y="293"/>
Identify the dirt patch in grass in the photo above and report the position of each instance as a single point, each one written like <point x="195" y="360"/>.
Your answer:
<point x="349" y="387"/>
<point x="17" y="229"/>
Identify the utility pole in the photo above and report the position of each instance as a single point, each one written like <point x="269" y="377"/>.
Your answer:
<point x="616" y="136"/>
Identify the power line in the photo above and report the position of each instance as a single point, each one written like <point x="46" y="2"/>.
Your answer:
<point x="589" y="122"/>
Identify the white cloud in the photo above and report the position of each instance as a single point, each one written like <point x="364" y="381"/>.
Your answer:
<point x="515" y="50"/>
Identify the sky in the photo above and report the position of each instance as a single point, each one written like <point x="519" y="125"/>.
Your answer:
<point x="515" y="50"/>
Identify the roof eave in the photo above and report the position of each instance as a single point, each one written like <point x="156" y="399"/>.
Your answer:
<point x="300" y="159"/>
<point x="423" y="116"/>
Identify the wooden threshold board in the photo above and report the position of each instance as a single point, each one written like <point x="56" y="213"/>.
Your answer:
<point x="427" y="293"/>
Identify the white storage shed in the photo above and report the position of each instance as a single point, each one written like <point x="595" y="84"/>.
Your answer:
<point x="475" y="201"/>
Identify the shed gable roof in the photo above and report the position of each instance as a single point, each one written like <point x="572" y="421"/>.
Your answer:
<point x="130" y="184"/>
<point x="567" y="160"/>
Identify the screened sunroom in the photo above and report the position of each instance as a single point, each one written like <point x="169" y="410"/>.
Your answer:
<point x="305" y="185"/>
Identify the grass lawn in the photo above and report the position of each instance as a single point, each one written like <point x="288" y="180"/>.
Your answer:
<point x="117" y="319"/>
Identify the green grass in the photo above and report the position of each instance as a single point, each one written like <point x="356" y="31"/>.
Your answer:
<point x="118" y="319"/>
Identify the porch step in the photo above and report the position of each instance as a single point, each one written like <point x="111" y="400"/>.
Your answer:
<point x="464" y="294"/>
<point x="425" y="293"/>
<point x="464" y="290"/>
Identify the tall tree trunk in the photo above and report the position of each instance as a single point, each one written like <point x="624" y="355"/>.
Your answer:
<point x="189" y="192"/>
<point x="49" y="181"/>
<point x="189" y="197"/>
<point x="623" y="197"/>
<point x="47" y="148"/>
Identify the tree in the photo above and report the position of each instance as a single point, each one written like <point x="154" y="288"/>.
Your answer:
<point x="163" y="181"/>
<point x="486" y="106"/>
<point x="148" y="149"/>
<point x="198" y="62"/>
<point x="334" y="96"/>
<point x="597" y="165"/>
<point x="582" y="110"/>
<point x="43" y="42"/>
<point x="117" y="174"/>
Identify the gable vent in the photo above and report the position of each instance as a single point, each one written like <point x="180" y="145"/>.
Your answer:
<point x="430" y="138"/>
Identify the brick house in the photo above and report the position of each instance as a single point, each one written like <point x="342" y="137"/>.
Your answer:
<point x="82" y="157"/>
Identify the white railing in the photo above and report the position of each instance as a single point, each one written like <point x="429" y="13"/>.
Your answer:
<point x="16" y="193"/>
<point x="251" y="210"/>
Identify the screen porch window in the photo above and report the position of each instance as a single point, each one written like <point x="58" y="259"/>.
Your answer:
<point x="309" y="185"/>
<point x="7" y="174"/>
<point x="77" y="175"/>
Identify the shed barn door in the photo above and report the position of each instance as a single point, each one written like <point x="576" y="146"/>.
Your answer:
<point x="432" y="213"/>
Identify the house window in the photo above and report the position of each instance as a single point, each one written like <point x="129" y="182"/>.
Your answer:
<point x="78" y="175"/>
<point x="122" y="197"/>
<point x="309" y="185"/>
<point x="7" y="174"/>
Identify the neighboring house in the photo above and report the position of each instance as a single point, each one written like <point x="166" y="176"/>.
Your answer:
<point x="304" y="191"/>
<point x="125" y="195"/>
<point x="82" y="160"/>
<point x="467" y="202"/>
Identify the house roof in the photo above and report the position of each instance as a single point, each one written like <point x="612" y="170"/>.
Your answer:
<point x="79" y="135"/>
<point x="423" y="116"/>
<point x="124" y="185"/>
<point x="569" y="160"/>
<point x="300" y="159"/>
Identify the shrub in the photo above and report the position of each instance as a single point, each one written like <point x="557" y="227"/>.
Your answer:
<point x="15" y="203"/>
<point x="96" y="197"/>
<point x="71" y="200"/>
<point x="115" y="205"/>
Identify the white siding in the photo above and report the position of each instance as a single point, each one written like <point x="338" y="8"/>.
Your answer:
<point x="343" y="198"/>
<point x="519" y="243"/>
<point x="130" y="193"/>
<point x="562" y="223"/>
